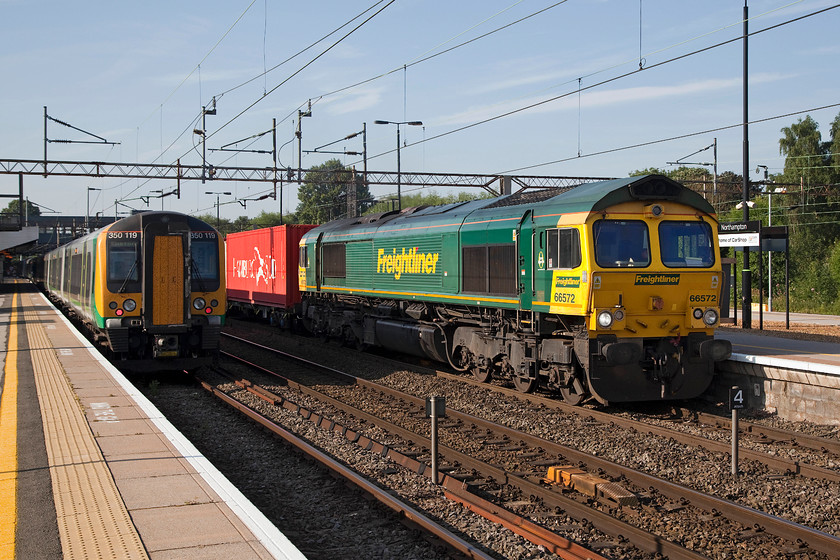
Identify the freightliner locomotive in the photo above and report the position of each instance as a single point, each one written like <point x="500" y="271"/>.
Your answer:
<point x="608" y="290"/>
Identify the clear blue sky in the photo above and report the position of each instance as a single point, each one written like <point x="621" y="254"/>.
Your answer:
<point x="138" y="73"/>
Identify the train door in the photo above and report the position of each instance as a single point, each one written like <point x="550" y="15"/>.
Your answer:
<point x="317" y="263"/>
<point x="525" y="260"/>
<point x="165" y="278"/>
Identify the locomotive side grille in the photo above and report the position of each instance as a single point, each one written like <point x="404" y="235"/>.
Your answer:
<point x="167" y="280"/>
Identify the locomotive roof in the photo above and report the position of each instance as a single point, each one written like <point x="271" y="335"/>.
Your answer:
<point x="600" y="195"/>
<point x="587" y="197"/>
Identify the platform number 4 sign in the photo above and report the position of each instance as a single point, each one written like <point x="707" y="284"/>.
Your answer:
<point x="737" y="399"/>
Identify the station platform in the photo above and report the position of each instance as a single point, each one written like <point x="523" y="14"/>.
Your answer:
<point x="797" y="379"/>
<point x="90" y="469"/>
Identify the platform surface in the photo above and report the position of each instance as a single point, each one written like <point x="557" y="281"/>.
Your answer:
<point x="90" y="469"/>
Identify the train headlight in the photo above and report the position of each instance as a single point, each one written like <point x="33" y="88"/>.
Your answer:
<point x="129" y="305"/>
<point x="199" y="303"/>
<point x="605" y="319"/>
<point x="698" y="313"/>
<point x="710" y="317"/>
<point x="113" y="305"/>
<point x="214" y="303"/>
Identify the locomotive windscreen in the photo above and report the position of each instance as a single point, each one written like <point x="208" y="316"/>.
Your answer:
<point x="123" y="261"/>
<point x="621" y="243"/>
<point x="205" y="263"/>
<point x="686" y="244"/>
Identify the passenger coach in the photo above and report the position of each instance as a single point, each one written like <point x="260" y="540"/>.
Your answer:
<point x="150" y="288"/>
<point x="608" y="290"/>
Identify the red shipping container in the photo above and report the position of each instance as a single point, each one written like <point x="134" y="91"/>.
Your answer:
<point x="262" y="266"/>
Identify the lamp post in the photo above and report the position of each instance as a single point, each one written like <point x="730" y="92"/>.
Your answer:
<point x="203" y="133"/>
<point x="87" y="208"/>
<point x="218" y="196"/>
<point x="160" y="191"/>
<point x="399" y="174"/>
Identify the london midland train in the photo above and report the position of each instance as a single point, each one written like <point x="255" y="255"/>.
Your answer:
<point x="150" y="288"/>
<point x="607" y="291"/>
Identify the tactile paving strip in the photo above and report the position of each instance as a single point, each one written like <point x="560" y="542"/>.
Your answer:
<point x="92" y="519"/>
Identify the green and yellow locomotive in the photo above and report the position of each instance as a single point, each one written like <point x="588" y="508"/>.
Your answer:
<point x="609" y="289"/>
<point x="150" y="288"/>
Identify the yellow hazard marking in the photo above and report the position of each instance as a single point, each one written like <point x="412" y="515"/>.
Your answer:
<point x="8" y="445"/>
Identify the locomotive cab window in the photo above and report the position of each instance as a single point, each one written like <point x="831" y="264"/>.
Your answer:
<point x="205" y="264"/>
<point x="563" y="249"/>
<point x="123" y="261"/>
<point x="686" y="244"/>
<point x="303" y="257"/>
<point x="621" y="243"/>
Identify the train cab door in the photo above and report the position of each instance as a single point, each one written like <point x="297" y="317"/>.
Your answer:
<point x="525" y="260"/>
<point x="317" y="263"/>
<point x="166" y="278"/>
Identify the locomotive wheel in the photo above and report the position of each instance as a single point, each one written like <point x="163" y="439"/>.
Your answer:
<point x="525" y="384"/>
<point x="482" y="375"/>
<point x="573" y="395"/>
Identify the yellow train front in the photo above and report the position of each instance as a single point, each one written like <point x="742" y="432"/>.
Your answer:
<point x="635" y="281"/>
<point x="150" y="288"/>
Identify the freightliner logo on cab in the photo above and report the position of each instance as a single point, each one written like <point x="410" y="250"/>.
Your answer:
<point x="657" y="279"/>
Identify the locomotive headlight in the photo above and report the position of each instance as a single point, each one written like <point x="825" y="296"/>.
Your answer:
<point x="129" y="305"/>
<point x="198" y="303"/>
<point x="605" y="319"/>
<point x="710" y="317"/>
<point x="618" y="314"/>
<point x="698" y="313"/>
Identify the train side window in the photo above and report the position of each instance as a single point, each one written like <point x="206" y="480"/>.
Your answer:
<point x="563" y="248"/>
<point x="303" y="257"/>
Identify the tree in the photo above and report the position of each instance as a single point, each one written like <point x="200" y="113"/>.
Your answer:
<point x="269" y="219"/>
<point x="428" y="199"/>
<point x="323" y="195"/>
<point x="804" y="153"/>
<point x="28" y="208"/>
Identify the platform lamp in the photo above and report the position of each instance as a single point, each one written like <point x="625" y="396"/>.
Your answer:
<point x="399" y="175"/>
<point x="87" y="208"/>
<point x="218" y="196"/>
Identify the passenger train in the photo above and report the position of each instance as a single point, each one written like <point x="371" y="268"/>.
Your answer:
<point x="149" y="288"/>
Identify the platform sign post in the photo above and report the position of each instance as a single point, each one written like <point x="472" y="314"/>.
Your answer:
<point x="435" y="408"/>
<point x="737" y="401"/>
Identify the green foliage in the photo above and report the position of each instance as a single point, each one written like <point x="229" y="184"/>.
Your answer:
<point x="427" y="199"/>
<point x="323" y="195"/>
<point x="14" y="208"/>
<point x="805" y="154"/>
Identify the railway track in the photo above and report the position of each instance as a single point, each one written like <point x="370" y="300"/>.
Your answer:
<point x="500" y="460"/>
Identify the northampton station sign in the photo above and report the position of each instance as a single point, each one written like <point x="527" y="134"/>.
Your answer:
<point x="739" y="234"/>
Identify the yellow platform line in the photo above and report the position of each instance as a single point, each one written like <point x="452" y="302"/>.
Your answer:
<point x="8" y="444"/>
<point x="93" y="521"/>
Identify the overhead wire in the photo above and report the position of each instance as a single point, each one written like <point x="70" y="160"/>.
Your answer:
<point x="298" y="71"/>
<point x="607" y="81"/>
